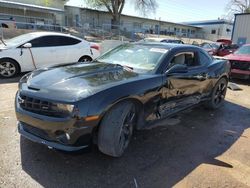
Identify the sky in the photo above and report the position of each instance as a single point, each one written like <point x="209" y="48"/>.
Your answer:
<point x="177" y="10"/>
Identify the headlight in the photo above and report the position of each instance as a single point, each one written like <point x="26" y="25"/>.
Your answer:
<point x="63" y="108"/>
<point x="24" y="79"/>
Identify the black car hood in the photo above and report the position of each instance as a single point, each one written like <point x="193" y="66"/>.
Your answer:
<point x="73" y="82"/>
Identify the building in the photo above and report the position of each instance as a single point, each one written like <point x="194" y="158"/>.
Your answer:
<point x="215" y="29"/>
<point x="90" y="18"/>
<point x="241" y="31"/>
<point x="28" y="13"/>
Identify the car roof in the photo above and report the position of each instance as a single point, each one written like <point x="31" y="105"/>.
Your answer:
<point x="168" y="45"/>
<point x="45" y="33"/>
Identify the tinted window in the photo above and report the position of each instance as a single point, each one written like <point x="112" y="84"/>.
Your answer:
<point x="49" y="41"/>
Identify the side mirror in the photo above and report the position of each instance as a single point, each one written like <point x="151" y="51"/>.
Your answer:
<point x="27" y="45"/>
<point x="178" y="68"/>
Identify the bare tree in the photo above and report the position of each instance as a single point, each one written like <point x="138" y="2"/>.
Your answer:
<point x="115" y="7"/>
<point x="236" y="7"/>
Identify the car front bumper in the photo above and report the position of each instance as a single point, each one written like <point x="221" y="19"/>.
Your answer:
<point x="49" y="144"/>
<point x="67" y="134"/>
<point x="243" y="74"/>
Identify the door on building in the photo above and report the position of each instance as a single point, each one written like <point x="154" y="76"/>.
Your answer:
<point x="241" y="41"/>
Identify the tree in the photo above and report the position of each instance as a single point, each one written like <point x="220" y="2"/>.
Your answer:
<point x="115" y="7"/>
<point x="238" y="6"/>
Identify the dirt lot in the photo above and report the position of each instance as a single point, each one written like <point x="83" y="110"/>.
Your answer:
<point x="203" y="149"/>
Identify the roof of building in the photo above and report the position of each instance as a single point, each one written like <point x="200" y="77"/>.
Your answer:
<point x="209" y="22"/>
<point x="242" y="14"/>
<point x="149" y="19"/>
<point x="11" y="3"/>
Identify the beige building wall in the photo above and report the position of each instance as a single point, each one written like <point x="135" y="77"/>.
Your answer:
<point x="50" y="12"/>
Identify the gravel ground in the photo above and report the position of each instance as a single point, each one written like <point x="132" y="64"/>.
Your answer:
<point x="200" y="148"/>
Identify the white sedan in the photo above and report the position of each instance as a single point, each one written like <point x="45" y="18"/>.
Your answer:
<point x="40" y="49"/>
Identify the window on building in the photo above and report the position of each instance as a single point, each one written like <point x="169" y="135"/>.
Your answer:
<point x="137" y="25"/>
<point x="183" y="30"/>
<point x="192" y="31"/>
<point x="77" y="20"/>
<point x="213" y="31"/>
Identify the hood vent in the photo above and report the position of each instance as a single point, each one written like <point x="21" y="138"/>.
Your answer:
<point x="32" y="88"/>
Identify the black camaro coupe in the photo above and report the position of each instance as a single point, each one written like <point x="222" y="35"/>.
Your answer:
<point x="68" y="107"/>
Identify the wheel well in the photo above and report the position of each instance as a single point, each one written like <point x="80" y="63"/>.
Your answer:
<point x="224" y="76"/>
<point x="85" y="57"/>
<point x="139" y="109"/>
<point x="7" y="58"/>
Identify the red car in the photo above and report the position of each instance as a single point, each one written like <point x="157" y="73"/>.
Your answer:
<point x="240" y="62"/>
<point x="219" y="49"/>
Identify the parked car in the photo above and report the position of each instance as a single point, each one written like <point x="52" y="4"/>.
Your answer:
<point x="176" y="41"/>
<point x="227" y="49"/>
<point x="34" y="50"/>
<point x="240" y="62"/>
<point x="219" y="49"/>
<point x="68" y="107"/>
<point x="8" y="23"/>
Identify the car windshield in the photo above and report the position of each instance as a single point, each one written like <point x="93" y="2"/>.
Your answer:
<point x="244" y="50"/>
<point x="19" y="40"/>
<point x="140" y="58"/>
<point x="215" y="46"/>
<point x="206" y="46"/>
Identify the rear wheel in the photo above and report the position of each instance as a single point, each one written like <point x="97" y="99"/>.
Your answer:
<point x="218" y="94"/>
<point x="116" y="129"/>
<point x="8" y="68"/>
<point x="85" y="59"/>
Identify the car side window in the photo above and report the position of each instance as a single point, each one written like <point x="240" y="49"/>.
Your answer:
<point x="186" y="58"/>
<point x="50" y="41"/>
<point x="204" y="59"/>
<point x="65" y="41"/>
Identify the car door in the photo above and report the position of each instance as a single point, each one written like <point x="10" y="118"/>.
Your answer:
<point x="185" y="88"/>
<point x="66" y="49"/>
<point x="41" y="52"/>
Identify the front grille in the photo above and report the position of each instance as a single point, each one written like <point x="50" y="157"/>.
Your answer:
<point x="36" y="131"/>
<point x="39" y="106"/>
<point x="241" y="65"/>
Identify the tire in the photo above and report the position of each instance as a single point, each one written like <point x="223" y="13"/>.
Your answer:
<point x="218" y="94"/>
<point x="8" y="68"/>
<point x="116" y="129"/>
<point x="85" y="59"/>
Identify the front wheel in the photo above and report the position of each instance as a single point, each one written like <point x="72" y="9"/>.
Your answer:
<point x="116" y="129"/>
<point x="218" y="94"/>
<point x="8" y="68"/>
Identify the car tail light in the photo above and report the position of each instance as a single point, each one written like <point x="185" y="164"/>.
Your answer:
<point x="95" y="46"/>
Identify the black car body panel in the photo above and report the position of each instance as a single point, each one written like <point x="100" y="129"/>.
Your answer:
<point x="95" y="88"/>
